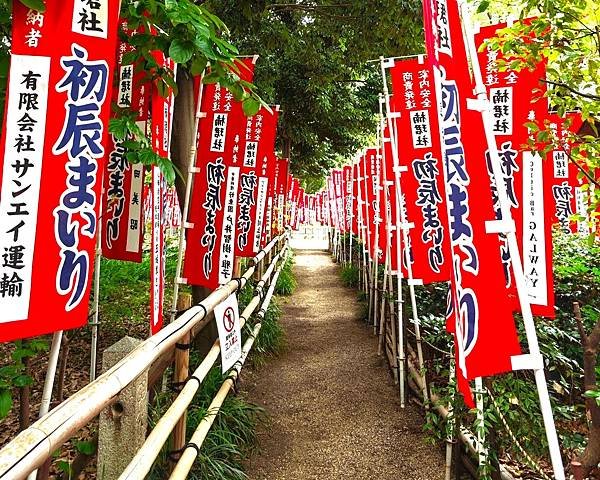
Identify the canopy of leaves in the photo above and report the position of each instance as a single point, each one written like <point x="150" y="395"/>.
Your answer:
<point x="314" y="63"/>
<point x="565" y="34"/>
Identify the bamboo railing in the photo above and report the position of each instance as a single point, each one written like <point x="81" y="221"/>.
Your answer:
<point x="33" y="446"/>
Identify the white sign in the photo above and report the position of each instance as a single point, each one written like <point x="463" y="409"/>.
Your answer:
<point x="230" y="335"/>
<point x="534" y="241"/>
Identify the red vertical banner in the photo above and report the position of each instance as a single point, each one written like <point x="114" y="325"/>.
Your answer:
<point x="210" y="247"/>
<point x="162" y="120"/>
<point x="422" y="176"/>
<point x="260" y="135"/>
<point x="373" y="196"/>
<point x="281" y="193"/>
<point x="391" y="203"/>
<point x="270" y="171"/>
<point x="486" y="337"/>
<point x="61" y="64"/>
<point x="122" y="207"/>
<point x="348" y="193"/>
<point x="354" y="199"/>
<point x="365" y="207"/>
<point x="526" y="175"/>
<point x="567" y="196"/>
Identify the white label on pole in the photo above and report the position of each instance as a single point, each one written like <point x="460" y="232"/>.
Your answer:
<point x="219" y="133"/>
<point x="261" y="199"/>
<point x="561" y="164"/>
<point x="581" y="207"/>
<point x="90" y="18"/>
<point x="228" y="229"/>
<point x="502" y="110"/>
<point x="534" y="241"/>
<point x="230" y="335"/>
<point x="134" y="222"/>
<point x="23" y="157"/>
<point x="420" y="128"/>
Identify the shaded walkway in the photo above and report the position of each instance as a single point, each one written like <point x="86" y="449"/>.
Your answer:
<point x="334" y="411"/>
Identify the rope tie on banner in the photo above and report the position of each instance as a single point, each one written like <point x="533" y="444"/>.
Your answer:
<point x="532" y="463"/>
<point x="175" y="455"/>
<point x="183" y="346"/>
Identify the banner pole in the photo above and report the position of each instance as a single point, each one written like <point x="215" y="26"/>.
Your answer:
<point x="482" y="453"/>
<point x="451" y="421"/>
<point x="95" y="324"/>
<point x="49" y="382"/>
<point x="534" y="359"/>
<point x="404" y="227"/>
<point x="186" y="203"/>
<point x="399" y="225"/>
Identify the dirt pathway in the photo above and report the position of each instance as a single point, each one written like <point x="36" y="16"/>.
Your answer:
<point x="334" y="410"/>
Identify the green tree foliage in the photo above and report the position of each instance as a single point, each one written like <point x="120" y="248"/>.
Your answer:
<point x="314" y="63"/>
<point x="566" y="34"/>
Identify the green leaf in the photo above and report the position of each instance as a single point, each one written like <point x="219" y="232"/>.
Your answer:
<point x="35" y="5"/>
<point x="87" y="448"/>
<point x="483" y="6"/>
<point x="23" y="381"/>
<point x="5" y="403"/>
<point x="198" y="65"/>
<point x="181" y="51"/>
<point x="251" y="106"/>
<point x="212" y="77"/>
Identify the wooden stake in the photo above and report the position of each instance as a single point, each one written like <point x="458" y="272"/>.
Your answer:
<point x="182" y="370"/>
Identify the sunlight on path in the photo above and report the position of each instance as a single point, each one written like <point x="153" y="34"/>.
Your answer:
<point x="334" y="410"/>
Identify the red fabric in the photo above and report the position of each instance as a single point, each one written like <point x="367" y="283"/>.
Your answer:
<point x="209" y="255"/>
<point x="484" y="328"/>
<point x="54" y="145"/>
<point x="422" y="183"/>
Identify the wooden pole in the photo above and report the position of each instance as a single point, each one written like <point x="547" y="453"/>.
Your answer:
<point x="182" y="370"/>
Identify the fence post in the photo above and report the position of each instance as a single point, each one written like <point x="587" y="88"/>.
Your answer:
<point x="182" y="370"/>
<point x="123" y="425"/>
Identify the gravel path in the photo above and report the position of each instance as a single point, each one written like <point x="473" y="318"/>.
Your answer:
<point x="334" y="412"/>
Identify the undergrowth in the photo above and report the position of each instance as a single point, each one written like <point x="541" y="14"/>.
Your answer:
<point x="350" y="275"/>
<point x="232" y="437"/>
<point x="286" y="284"/>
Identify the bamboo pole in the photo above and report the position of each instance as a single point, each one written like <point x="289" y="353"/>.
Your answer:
<point x="182" y="370"/>
<point x="96" y="318"/>
<point x="404" y="226"/>
<point x="189" y="455"/>
<point x="451" y="421"/>
<point x="401" y="348"/>
<point x="534" y="360"/>
<point x="142" y="462"/>
<point x="49" y="382"/>
<point x="31" y="447"/>
<point x="467" y="437"/>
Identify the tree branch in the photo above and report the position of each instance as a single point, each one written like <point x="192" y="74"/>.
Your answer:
<point x="571" y="89"/>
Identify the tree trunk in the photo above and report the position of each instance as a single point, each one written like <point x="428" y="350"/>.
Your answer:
<point x="24" y="398"/>
<point x="182" y="140"/>
<point x="590" y="458"/>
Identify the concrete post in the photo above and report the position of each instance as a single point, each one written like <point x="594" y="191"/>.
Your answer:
<point x="122" y="426"/>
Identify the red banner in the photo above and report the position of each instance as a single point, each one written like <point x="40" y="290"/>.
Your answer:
<point x="122" y="198"/>
<point x="281" y="195"/>
<point x="486" y="337"/>
<point x="567" y="196"/>
<point x="162" y="120"/>
<point x="422" y="176"/>
<point x="210" y="240"/>
<point x="261" y="130"/>
<point x="62" y="63"/>
<point x="525" y="174"/>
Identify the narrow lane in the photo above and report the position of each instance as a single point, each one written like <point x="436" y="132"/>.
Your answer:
<point x="334" y="412"/>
